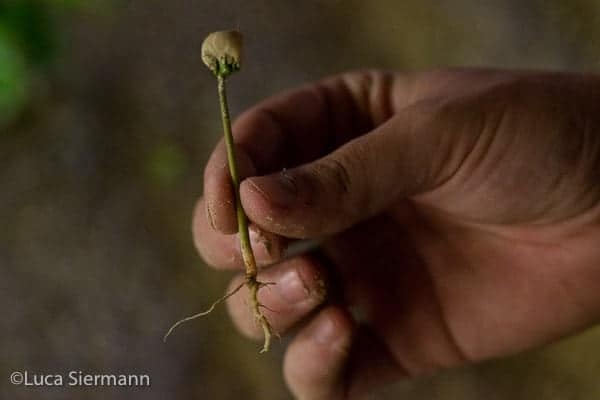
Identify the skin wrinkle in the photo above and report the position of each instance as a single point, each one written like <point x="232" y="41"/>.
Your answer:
<point x="341" y="177"/>
<point x="563" y="155"/>
<point x="359" y="120"/>
<point x="473" y="159"/>
<point x="407" y="356"/>
<point x="355" y="387"/>
<point x="584" y="151"/>
<point x="594" y="146"/>
<point x="405" y="370"/>
<point x="482" y="152"/>
<point x="425" y="181"/>
<point x="455" y="352"/>
<point x="342" y="120"/>
<point x="403" y="92"/>
<point x="359" y="87"/>
<point x="461" y="351"/>
<point x="319" y="93"/>
<point x="460" y="348"/>
<point x="344" y="183"/>
<point x="590" y="153"/>
<point x="328" y="110"/>
<point x="322" y="93"/>
<point x="372" y="95"/>
<point x="355" y="83"/>
<point x="438" y="175"/>
<point x="550" y="180"/>
<point x="380" y="97"/>
<point x="528" y="234"/>
<point x="567" y="154"/>
<point x="398" y="360"/>
<point x="364" y="279"/>
<point x="362" y="207"/>
<point x="363" y="89"/>
<point x="444" y="151"/>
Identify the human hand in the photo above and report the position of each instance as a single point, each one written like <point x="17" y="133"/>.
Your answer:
<point x="459" y="212"/>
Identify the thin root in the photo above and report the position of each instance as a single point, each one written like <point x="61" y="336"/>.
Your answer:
<point x="202" y="314"/>
<point x="254" y="286"/>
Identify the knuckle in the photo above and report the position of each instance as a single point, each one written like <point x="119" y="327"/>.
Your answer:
<point x="336" y="175"/>
<point x="341" y="177"/>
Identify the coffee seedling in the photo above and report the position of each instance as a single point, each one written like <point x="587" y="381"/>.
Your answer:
<point x="222" y="52"/>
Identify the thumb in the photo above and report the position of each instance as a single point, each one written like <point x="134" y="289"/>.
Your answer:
<point x="356" y="181"/>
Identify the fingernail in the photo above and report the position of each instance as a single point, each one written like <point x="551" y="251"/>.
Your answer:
<point x="209" y="216"/>
<point x="291" y="288"/>
<point x="324" y="331"/>
<point x="279" y="189"/>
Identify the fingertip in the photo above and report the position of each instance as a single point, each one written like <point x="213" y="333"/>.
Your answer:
<point x="371" y="364"/>
<point x="222" y="251"/>
<point x="315" y="362"/>
<point x="272" y="202"/>
<point x="199" y="217"/>
<point x="298" y="288"/>
<point x="268" y="247"/>
<point x="332" y="329"/>
<point x="219" y="206"/>
<point x="216" y="249"/>
<point x="219" y="190"/>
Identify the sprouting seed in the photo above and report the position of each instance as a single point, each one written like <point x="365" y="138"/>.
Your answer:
<point x="222" y="52"/>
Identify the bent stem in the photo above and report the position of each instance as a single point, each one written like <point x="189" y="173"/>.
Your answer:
<point x="246" y="249"/>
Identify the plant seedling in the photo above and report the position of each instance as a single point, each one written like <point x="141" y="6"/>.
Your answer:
<point x="222" y="53"/>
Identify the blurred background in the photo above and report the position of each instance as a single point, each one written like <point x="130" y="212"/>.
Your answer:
<point x="107" y="117"/>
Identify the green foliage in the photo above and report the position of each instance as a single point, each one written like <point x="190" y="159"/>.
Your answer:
<point x="31" y="25"/>
<point x="13" y="79"/>
<point x="166" y="163"/>
<point x="29" y="41"/>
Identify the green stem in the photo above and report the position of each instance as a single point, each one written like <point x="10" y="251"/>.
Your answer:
<point x="242" y="219"/>
<point x="247" y="254"/>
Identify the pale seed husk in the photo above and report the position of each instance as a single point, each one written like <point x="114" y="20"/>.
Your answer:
<point x="222" y="52"/>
